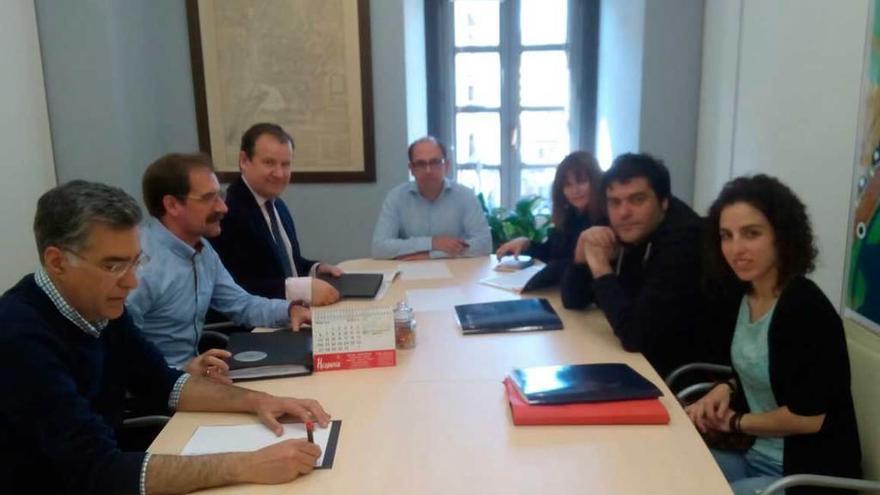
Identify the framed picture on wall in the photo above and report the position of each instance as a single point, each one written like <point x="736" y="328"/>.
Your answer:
<point x="862" y="284"/>
<point x="302" y="64"/>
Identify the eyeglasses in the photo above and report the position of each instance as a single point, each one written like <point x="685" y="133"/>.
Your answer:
<point x="207" y="198"/>
<point x="116" y="269"/>
<point x="425" y="164"/>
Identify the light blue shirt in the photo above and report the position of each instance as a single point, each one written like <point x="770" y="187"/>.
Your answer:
<point x="408" y="221"/>
<point x="179" y="284"/>
<point x="749" y="354"/>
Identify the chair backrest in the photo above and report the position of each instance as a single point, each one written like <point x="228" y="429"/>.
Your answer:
<point x="864" y="357"/>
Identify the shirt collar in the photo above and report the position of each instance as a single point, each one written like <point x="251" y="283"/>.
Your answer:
<point x="44" y="282"/>
<point x="414" y="187"/>
<point x="260" y="199"/>
<point x="170" y="241"/>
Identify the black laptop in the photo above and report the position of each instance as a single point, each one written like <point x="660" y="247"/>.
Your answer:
<point x="355" y="284"/>
<point x="522" y="315"/>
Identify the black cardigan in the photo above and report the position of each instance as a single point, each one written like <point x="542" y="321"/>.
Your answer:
<point x="809" y="373"/>
<point x="558" y="250"/>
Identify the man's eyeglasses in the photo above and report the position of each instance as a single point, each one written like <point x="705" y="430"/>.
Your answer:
<point x="116" y="269"/>
<point x="425" y="164"/>
<point x="207" y="198"/>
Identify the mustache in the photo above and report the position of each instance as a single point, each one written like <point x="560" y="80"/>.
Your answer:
<point x="215" y="217"/>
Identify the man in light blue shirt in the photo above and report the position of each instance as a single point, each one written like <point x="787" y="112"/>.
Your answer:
<point x="433" y="217"/>
<point x="186" y="276"/>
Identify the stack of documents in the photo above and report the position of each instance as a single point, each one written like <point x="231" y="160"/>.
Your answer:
<point x="604" y="393"/>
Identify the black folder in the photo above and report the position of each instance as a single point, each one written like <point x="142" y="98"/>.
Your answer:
<point x="355" y="284"/>
<point x="268" y="355"/>
<point x="522" y="315"/>
<point x="567" y="384"/>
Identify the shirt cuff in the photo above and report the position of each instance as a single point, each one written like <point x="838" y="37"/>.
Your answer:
<point x="298" y="289"/>
<point x="142" y="485"/>
<point x="174" y="398"/>
<point x="313" y="271"/>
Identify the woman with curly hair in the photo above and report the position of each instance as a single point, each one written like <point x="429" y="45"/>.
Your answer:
<point x="785" y="340"/>
<point x="576" y="207"/>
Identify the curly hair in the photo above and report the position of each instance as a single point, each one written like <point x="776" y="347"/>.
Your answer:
<point x="795" y="245"/>
<point x="584" y="167"/>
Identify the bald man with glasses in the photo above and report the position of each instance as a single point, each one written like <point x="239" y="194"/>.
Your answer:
<point x="433" y="217"/>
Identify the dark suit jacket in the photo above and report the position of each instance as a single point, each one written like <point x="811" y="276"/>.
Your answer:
<point x="245" y="243"/>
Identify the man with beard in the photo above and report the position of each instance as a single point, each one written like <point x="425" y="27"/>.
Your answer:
<point x="186" y="276"/>
<point x="642" y="271"/>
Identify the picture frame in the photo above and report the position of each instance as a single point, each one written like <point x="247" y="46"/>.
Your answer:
<point x="302" y="64"/>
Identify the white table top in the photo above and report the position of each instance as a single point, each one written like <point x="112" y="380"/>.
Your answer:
<point x="439" y="423"/>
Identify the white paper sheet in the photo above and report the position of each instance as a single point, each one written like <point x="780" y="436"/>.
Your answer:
<point x="435" y="299"/>
<point x="247" y="438"/>
<point x="423" y="270"/>
<point x="513" y="281"/>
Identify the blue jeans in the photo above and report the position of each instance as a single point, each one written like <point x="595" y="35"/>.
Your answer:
<point x="749" y="473"/>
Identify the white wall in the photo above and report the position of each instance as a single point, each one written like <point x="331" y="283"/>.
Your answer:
<point x="649" y="83"/>
<point x="790" y="110"/>
<point x="618" y="103"/>
<point x="27" y="164"/>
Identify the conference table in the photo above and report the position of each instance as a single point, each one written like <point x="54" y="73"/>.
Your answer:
<point x="439" y="423"/>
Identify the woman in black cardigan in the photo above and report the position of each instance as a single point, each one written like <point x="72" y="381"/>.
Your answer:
<point x="791" y="388"/>
<point x="576" y="207"/>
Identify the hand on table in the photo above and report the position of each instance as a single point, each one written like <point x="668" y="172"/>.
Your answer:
<point x="210" y="364"/>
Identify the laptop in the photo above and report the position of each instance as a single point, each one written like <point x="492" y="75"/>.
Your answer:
<point x="364" y="285"/>
<point x="522" y="315"/>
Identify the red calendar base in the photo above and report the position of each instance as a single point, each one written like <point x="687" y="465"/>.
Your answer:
<point x="355" y="360"/>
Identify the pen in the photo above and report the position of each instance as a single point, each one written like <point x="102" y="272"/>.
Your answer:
<point x="310" y="426"/>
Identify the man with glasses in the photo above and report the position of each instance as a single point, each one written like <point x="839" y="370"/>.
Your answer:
<point x="186" y="276"/>
<point x="257" y="241"/>
<point x="433" y="217"/>
<point x="69" y="352"/>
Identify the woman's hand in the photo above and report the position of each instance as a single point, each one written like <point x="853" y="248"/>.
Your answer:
<point x="713" y="410"/>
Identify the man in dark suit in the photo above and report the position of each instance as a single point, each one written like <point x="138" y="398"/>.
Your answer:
<point x="257" y="241"/>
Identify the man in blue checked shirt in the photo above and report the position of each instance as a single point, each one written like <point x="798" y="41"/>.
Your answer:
<point x="69" y="352"/>
<point x="433" y="217"/>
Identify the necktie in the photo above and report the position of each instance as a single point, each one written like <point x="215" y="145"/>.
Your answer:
<point x="280" y="250"/>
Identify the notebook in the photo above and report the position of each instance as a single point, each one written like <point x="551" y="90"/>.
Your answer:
<point x="268" y="355"/>
<point x="582" y="383"/>
<point x="355" y="284"/>
<point x="519" y="315"/>
<point x="627" y="412"/>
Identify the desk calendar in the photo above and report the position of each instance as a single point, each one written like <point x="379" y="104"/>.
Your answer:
<point x="353" y="338"/>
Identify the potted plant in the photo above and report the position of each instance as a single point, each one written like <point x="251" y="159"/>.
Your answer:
<point x="527" y="219"/>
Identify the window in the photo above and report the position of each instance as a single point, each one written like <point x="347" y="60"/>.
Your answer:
<point x="501" y="97"/>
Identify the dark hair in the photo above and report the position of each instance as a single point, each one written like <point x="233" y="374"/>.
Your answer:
<point x="426" y="139"/>
<point x="629" y="166"/>
<point x="584" y="167"/>
<point x="169" y="176"/>
<point x="795" y="247"/>
<point x="250" y="136"/>
<point x="66" y="213"/>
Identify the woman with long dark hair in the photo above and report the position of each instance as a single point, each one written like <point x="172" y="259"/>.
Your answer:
<point x="785" y="340"/>
<point x="576" y="207"/>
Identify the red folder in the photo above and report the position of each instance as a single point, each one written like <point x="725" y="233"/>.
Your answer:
<point x="625" y="412"/>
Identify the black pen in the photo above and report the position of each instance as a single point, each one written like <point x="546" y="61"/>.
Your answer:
<point x="310" y="426"/>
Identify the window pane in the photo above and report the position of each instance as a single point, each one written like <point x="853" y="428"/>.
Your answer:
<point x="477" y="138"/>
<point x="537" y="181"/>
<point x="478" y="79"/>
<point x="543" y="78"/>
<point x="486" y="181"/>
<point x="543" y="22"/>
<point x="476" y="23"/>
<point x="544" y="137"/>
